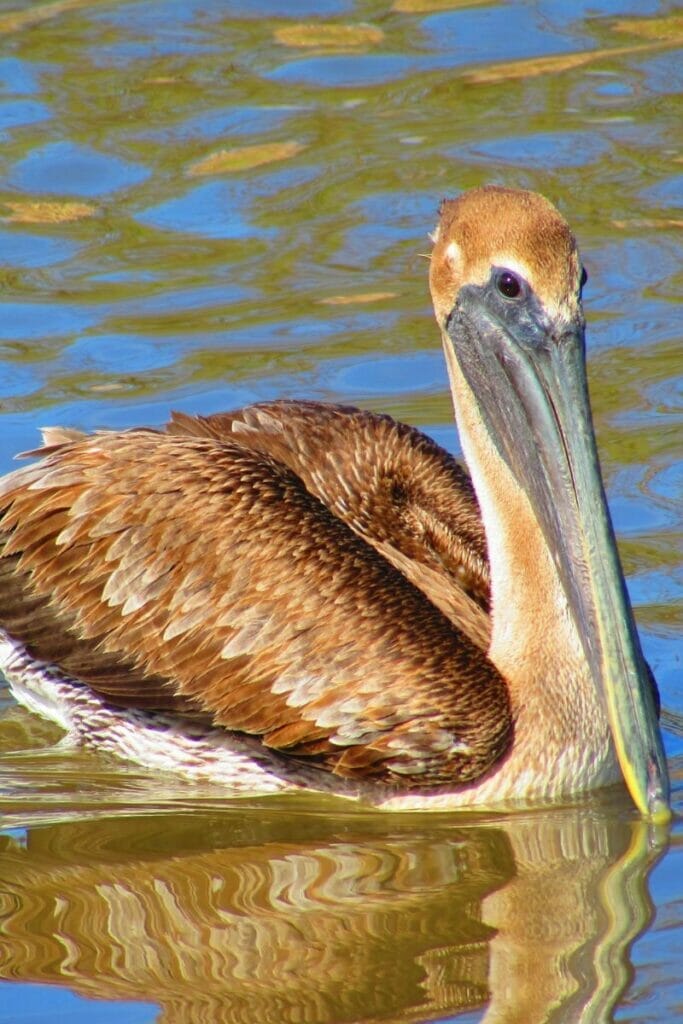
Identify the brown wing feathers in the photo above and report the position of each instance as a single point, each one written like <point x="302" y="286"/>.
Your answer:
<point x="391" y="484"/>
<point x="193" y="574"/>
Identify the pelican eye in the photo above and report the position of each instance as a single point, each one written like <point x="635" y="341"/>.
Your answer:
<point x="508" y="284"/>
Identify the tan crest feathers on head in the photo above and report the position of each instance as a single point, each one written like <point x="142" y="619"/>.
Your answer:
<point x="503" y="227"/>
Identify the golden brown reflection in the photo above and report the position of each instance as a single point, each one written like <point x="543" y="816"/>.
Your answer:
<point x="263" y="915"/>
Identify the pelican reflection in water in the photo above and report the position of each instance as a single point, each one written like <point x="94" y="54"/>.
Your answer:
<point x="306" y="595"/>
<point x="263" y="916"/>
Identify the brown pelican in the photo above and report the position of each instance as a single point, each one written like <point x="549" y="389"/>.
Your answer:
<point x="307" y="595"/>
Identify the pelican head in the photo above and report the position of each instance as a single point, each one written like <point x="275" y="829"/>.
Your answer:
<point x="506" y="281"/>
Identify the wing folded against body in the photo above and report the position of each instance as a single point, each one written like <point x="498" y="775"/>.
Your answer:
<point x="179" y="572"/>
<point x="393" y="485"/>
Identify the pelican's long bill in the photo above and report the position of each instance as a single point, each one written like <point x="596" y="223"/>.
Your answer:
<point x="526" y="366"/>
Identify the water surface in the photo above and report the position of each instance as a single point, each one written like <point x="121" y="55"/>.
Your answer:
<point x="207" y="204"/>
